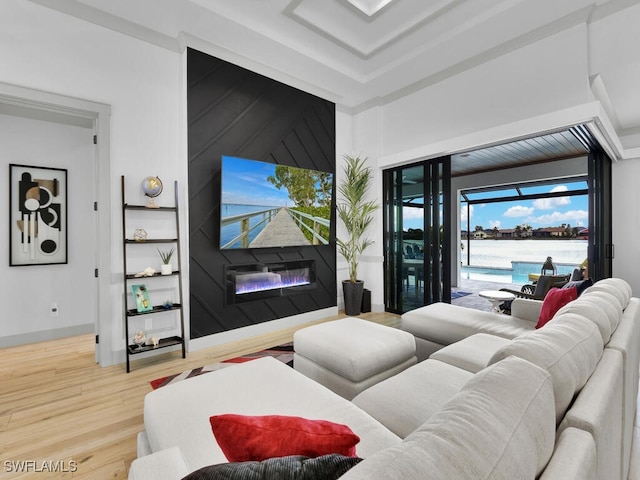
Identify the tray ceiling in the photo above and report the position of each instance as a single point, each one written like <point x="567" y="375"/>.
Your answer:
<point x="361" y="53"/>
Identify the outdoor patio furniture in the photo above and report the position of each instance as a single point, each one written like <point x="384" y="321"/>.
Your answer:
<point x="538" y="290"/>
<point x="535" y="291"/>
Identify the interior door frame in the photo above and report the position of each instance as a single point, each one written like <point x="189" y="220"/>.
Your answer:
<point x="600" y="248"/>
<point x="437" y="255"/>
<point x="55" y="107"/>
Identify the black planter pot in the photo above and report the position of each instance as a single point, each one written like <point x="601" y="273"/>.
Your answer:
<point x="352" y="296"/>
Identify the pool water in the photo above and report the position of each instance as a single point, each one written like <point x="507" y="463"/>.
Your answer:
<point x="498" y="275"/>
<point x="518" y="275"/>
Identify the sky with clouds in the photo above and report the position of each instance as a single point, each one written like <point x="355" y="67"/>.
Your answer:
<point x="539" y="213"/>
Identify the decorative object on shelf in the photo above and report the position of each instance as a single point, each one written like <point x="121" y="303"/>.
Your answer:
<point x="152" y="187"/>
<point x="139" y="339"/>
<point x="141" y="296"/>
<point x="38" y="215"/>
<point x="356" y="214"/>
<point x="147" y="272"/>
<point x="153" y="340"/>
<point x="165" y="268"/>
<point x="140" y="235"/>
<point x="167" y="303"/>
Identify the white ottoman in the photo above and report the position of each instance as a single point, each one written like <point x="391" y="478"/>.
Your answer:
<point x="350" y="355"/>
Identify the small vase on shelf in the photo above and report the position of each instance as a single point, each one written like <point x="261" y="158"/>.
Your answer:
<point x="165" y="268"/>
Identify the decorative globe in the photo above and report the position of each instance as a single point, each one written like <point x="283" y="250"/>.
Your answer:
<point x="152" y="187"/>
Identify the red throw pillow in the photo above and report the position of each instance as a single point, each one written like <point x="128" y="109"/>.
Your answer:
<point x="256" y="438"/>
<point x="555" y="299"/>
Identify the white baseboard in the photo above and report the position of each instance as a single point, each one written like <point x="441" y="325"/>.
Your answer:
<point x="44" y="335"/>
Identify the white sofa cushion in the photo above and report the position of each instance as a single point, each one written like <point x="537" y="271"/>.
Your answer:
<point x="337" y="383"/>
<point x="593" y="309"/>
<point x="472" y="353"/>
<point x="500" y="425"/>
<point x="526" y="309"/>
<point x="609" y="304"/>
<point x="615" y="286"/>
<point x="405" y="401"/>
<point x="178" y="414"/>
<point x="568" y="347"/>
<point x="445" y="324"/>
<point x="168" y="463"/>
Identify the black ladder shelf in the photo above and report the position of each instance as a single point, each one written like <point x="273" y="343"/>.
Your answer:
<point x="131" y="314"/>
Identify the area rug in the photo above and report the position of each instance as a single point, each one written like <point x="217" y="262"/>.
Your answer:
<point x="284" y="353"/>
<point x="459" y="294"/>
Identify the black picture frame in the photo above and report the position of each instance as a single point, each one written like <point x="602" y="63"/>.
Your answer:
<point x="37" y="215"/>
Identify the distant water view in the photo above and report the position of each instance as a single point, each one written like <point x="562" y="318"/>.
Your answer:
<point x="231" y="209"/>
<point x="500" y="253"/>
<point x="491" y="260"/>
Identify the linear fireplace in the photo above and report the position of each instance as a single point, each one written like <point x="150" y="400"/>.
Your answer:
<point x="258" y="281"/>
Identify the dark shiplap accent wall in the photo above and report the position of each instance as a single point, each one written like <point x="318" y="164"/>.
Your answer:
<point x="233" y="111"/>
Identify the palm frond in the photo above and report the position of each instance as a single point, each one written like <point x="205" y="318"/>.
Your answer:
<point x="354" y="211"/>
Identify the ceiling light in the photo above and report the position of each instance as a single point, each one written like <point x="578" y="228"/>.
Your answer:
<point x="369" y="7"/>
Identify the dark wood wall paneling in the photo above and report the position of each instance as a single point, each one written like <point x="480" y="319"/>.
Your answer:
<point x="233" y="111"/>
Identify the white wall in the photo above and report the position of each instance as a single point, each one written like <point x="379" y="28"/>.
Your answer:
<point x="28" y="292"/>
<point x="144" y="85"/>
<point x="547" y="76"/>
<point x="626" y="221"/>
<point x="359" y="136"/>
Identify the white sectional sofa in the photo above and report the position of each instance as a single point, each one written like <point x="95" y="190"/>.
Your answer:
<point x="554" y="403"/>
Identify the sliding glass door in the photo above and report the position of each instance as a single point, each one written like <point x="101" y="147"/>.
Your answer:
<point x="416" y="216"/>
<point x="600" y="237"/>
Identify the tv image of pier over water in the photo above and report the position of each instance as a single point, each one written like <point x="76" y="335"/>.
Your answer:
<point x="268" y="205"/>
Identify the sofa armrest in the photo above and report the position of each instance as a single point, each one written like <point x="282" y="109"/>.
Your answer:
<point x="142" y="445"/>
<point x="573" y="457"/>
<point x="167" y="464"/>
<point x="526" y="309"/>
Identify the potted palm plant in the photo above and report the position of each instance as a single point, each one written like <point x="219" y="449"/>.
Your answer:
<point x="356" y="213"/>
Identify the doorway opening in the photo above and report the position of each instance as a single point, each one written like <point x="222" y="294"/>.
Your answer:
<point x="417" y="266"/>
<point x="507" y="232"/>
<point x="43" y="108"/>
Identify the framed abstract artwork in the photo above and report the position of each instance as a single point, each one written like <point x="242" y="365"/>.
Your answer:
<point x="38" y="215"/>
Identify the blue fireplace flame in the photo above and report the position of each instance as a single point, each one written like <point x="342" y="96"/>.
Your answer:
<point x="251" y="282"/>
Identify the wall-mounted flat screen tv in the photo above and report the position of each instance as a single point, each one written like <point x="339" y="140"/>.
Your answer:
<point x="265" y="205"/>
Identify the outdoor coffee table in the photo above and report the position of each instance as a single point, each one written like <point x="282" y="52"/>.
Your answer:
<point x="496" y="297"/>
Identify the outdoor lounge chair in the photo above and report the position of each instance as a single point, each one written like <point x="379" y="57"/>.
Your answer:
<point x="538" y="290"/>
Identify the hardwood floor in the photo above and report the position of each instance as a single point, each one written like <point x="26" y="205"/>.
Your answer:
<point x="58" y="406"/>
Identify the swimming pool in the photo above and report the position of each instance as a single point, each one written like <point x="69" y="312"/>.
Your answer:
<point x="518" y="274"/>
<point x="498" y="275"/>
